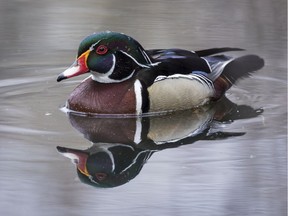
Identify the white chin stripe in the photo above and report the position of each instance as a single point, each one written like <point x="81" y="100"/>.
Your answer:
<point x="104" y="78"/>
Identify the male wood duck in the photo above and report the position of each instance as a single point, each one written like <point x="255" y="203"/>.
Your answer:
<point x="126" y="79"/>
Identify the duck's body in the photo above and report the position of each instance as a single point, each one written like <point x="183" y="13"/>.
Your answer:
<point x="126" y="79"/>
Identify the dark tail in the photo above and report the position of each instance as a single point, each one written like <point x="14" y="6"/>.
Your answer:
<point x="213" y="51"/>
<point x="236" y="69"/>
<point x="242" y="67"/>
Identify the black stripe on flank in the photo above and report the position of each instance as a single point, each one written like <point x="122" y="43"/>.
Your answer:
<point x="145" y="98"/>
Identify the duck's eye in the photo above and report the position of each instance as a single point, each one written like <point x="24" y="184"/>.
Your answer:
<point x="101" y="50"/>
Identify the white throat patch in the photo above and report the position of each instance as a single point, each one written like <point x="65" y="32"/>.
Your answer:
<point x="105" y="78"/>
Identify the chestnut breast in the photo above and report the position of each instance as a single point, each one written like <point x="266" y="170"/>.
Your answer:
<point x="103" y="98"/>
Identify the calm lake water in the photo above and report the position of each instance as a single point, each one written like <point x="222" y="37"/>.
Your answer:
<point x="229" y="159"/>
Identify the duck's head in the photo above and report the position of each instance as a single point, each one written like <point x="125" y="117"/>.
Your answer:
<point x="109" y="56"/>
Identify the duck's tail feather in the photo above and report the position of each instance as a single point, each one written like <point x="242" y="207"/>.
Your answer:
<point x="208" y="52"/>
<point x="235" y="70"/>
<point x="242" y="67"/>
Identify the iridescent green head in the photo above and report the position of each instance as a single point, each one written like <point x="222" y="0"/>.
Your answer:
<point x="109" y="56"/>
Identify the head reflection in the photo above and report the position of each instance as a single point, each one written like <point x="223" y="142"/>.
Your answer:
<point x="121" y="146"/>
<point x="107" y="165"/>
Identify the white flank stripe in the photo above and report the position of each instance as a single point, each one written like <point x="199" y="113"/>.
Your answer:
<point x="138" y="96"/>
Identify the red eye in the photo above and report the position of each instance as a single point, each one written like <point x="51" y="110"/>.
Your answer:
<point x="101" y="50"/>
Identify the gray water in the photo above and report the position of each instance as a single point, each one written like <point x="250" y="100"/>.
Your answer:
<point x="241" y="170"/>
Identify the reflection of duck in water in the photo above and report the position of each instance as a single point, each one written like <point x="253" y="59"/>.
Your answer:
<point x="121" y="146"/>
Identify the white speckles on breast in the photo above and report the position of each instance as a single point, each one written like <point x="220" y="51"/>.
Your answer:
<point x="178" y="94"/>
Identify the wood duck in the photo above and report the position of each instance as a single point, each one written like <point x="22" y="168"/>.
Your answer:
<point x="126" y="79"/>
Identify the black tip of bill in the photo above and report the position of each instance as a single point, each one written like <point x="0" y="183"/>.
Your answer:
<point x="61" y="77"/>
<point x="61" y="149"/>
